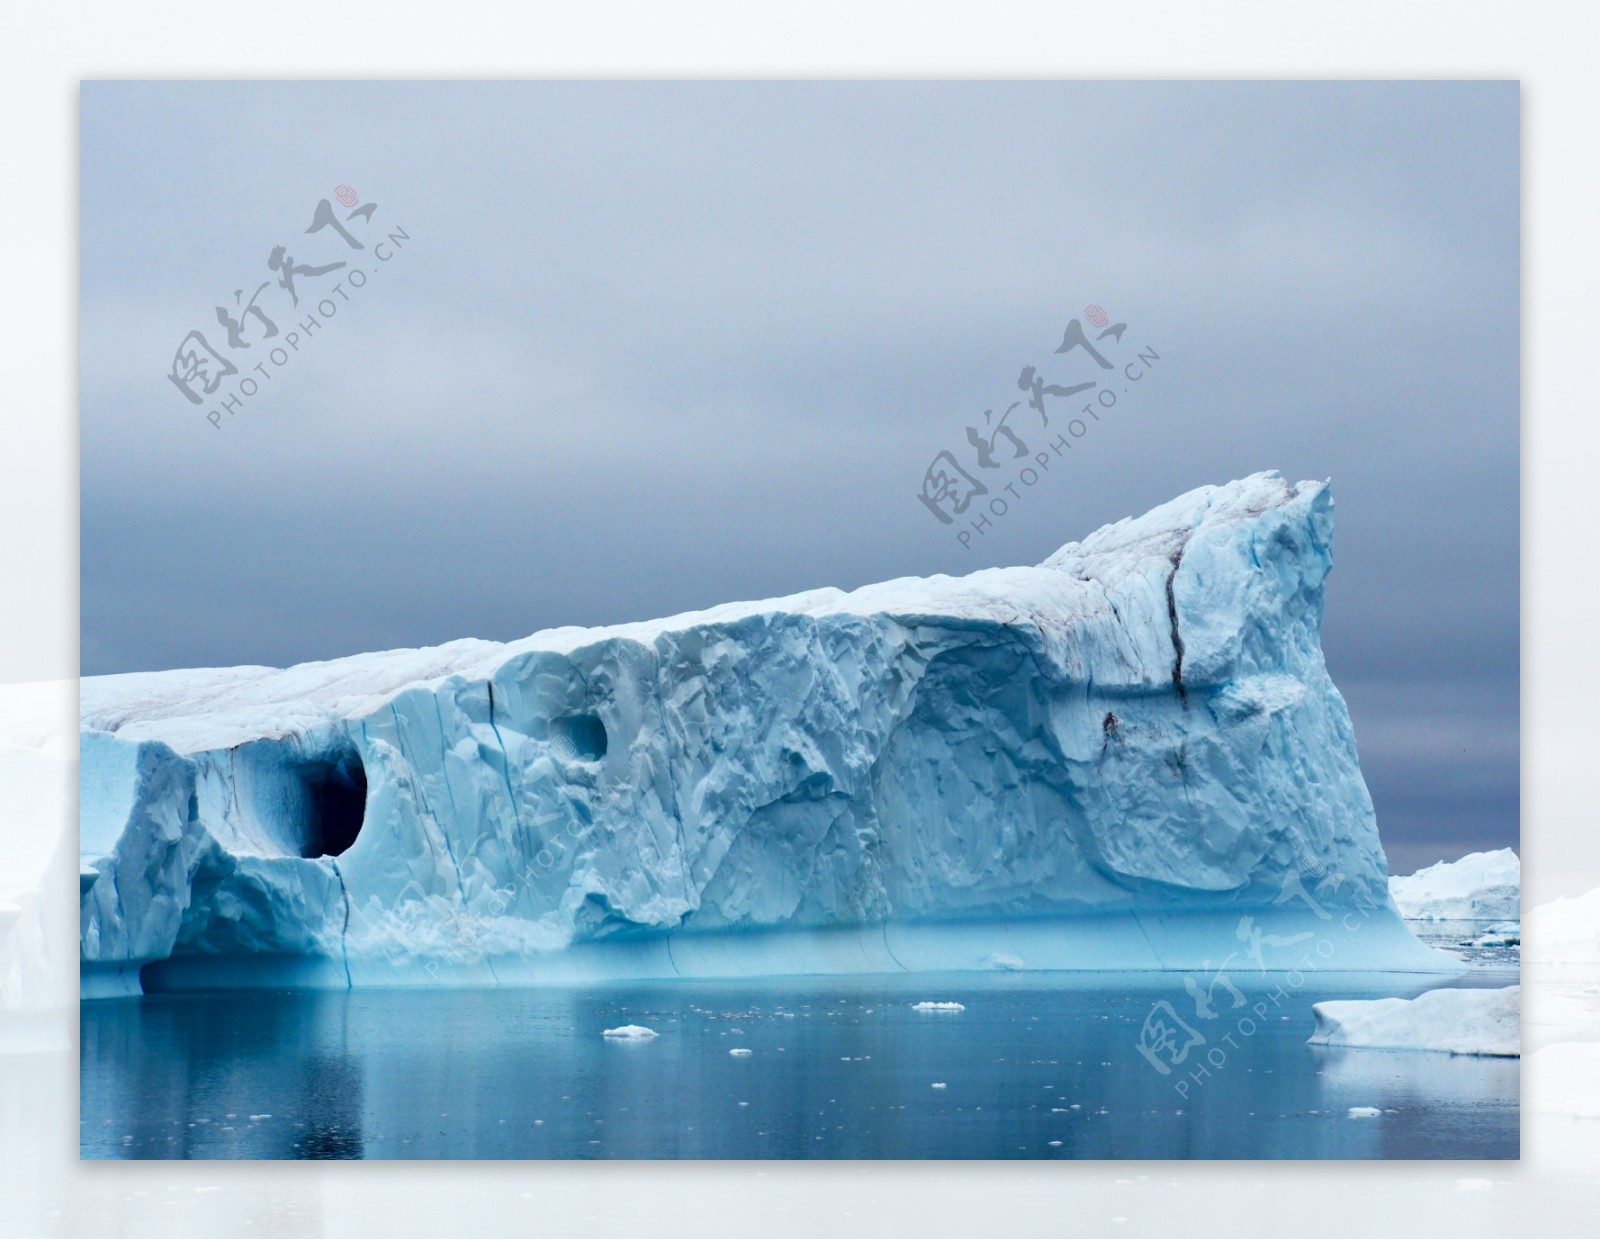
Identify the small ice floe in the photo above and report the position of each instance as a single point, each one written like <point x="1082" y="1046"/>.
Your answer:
<point x="1363" y="1113"/>
<point x="940" y="1085"/>
<point x="928" y="1005"/>
<point x="630" y="1033"/>
<point x="740" y="1050"/>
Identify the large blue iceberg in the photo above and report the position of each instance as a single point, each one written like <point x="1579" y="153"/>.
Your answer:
<point x="1129" y="757"/>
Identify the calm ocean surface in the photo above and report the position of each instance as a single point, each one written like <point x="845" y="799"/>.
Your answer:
<point x="1037" y="1066"/>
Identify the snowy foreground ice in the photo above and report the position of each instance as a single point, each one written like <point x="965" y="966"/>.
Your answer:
<point x="1462" y="1022"/>
<point x="1482" y="886"/>
<point x="1565" y="931"/>
<point x="1128" y="757"/>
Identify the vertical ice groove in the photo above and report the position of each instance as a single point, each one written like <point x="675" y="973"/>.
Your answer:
<point x="1177" y="638"/>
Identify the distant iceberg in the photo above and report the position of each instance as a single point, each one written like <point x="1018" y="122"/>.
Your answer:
<point x="1458" y="1021"/>
<point x="1129" y="757"/>
<point x="1482" y="886"/>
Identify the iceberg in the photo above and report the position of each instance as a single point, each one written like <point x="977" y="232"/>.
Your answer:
<point x="1130" y="756"/>
<point x="1460" y="1021"/>
<point x="1482" y="886"/>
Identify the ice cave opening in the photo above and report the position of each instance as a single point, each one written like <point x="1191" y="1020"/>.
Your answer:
<point x="336" y="800"/>
<point x="581" y="736"/>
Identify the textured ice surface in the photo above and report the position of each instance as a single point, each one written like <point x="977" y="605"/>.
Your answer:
<point x="1482" y="886"/>
<point x="1462" y="1022"/>
<point x="1128" y="757"/>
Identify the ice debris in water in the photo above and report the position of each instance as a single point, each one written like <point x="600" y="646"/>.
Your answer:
<point x="930" y="1006"/>
<point x="630" y="1033"/>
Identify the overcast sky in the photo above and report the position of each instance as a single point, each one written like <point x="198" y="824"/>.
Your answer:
<point x="645" y="348"/>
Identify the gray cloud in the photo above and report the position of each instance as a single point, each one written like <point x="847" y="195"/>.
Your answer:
<point x="655" y="346"/>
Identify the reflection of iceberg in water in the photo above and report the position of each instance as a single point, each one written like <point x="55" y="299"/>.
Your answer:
<point x="1416" y="1080"/>
<point x="259" y="1075"/>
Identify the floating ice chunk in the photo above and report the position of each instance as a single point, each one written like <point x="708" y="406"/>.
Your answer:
<point x="1363" y="1112"/>
<point x="940" y="1085"/>
<point x="1501" y="934"/>
<point x="930" y="1006"/>
<point x="1482" y="886"/>
<point x="1462" y="1022"/>
<point x="630" y="1033"/>
<point x="740" y="1050"/>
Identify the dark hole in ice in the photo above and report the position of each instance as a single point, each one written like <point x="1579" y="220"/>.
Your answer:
<point x="579" y="736"/>
<point x="336" y="795"/>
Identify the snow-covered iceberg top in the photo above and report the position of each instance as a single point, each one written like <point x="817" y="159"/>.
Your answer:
<point x="1460" y="1021"/>
<point x="1482" y="886"/>
<point x="926" y="773"/>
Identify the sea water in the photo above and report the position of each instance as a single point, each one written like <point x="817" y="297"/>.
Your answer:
<point x="1035" y="1066"/>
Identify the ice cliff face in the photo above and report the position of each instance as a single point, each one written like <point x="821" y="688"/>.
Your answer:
<point x="923" y="773"/>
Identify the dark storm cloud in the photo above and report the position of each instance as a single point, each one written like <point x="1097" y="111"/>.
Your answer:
<point x="654" y="347"/>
